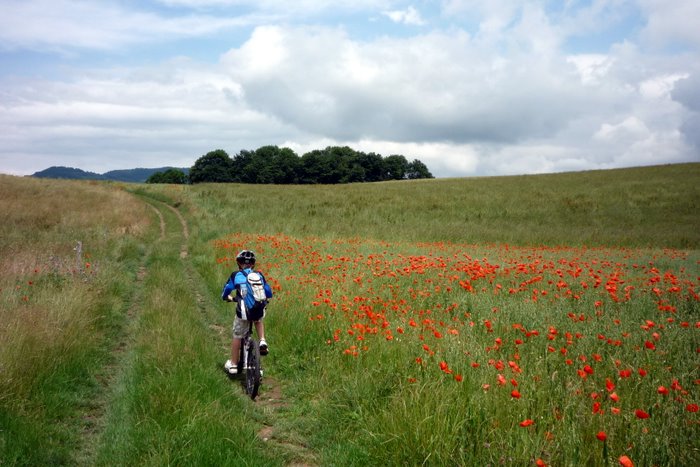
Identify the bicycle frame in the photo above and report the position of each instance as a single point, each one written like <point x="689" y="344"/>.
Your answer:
<point x="249" y="362"/>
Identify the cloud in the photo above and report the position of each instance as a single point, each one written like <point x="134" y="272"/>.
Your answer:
<point x="687" y="93"/>
<point x="671" y="23"/>
<point x="62" y="25"/>
<point x="481" y="88"/>
<point x="438" y="87"/>
<point x="408" y="16"/>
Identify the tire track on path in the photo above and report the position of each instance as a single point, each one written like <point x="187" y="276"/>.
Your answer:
<point x="93" y="418"/>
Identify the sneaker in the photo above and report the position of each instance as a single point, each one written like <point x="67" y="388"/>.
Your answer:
<point x="232" y="368"/>
<point x="263" y="347"/>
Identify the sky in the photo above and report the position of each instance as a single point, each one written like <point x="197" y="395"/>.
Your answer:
<point x="468" y="87"/>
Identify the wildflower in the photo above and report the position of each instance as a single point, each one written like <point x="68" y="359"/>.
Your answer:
<point x="515" y="394"/>
<point x="601" y="436"/>
<point x="692" y="408"/>
<point x="527" y="422"/>
<point x="625" y="461"/>
<point x="641" y="414"/>
<point x="609" y="385"/>
<point x="662" y="390"/>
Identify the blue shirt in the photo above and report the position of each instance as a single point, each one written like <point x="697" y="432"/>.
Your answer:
<point x="234" y="283"/>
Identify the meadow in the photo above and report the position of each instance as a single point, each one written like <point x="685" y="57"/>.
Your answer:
<point x="532" y="320"/>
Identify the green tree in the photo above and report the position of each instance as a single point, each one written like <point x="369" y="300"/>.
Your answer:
<point x="272" y="164"/>
<point x="316" y="167"/>
<point x="417" y="169"/>
<point x="243" y="170"/>
<point x="395" y="167"/>
<point x="174" y="176"/>
<point x="215" y="166"/>
<point x="373" y="166"/>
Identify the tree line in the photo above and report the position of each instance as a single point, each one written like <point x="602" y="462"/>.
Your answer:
<point x="275" y="165"/>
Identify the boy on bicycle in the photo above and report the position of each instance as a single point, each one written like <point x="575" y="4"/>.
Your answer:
<point x="246" y="262"/>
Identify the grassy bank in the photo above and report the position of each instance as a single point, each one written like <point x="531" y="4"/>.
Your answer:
<point x="639" y="207"/>
<point x="69" y="253"/>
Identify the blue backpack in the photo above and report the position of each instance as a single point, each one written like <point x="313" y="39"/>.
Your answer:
<point x="255" y="293"/>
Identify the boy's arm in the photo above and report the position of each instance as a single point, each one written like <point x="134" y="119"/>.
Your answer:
<point x="266" y="286"/>
<point x="228" y="289"/>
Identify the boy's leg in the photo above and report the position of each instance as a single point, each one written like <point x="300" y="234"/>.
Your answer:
<point x="235" y="349"/>
<point x="260" y="328"/>
<point x="237" y="331"/>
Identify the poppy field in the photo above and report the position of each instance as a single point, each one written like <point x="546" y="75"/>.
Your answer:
<point x="445" y="353"/>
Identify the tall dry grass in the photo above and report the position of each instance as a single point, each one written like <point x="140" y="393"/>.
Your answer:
<point x="59" y="304"/>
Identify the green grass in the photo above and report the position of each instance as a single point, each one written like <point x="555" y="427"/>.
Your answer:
<point x="649" y="206"/>
<point x="135" y="357"/>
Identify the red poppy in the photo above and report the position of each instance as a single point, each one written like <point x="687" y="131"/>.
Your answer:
<point x="691" y="407"/>
<point x="601" y="436"/>
<point x="641" y="414"/>
<point x="662" y="390"/>
<point x="526" y="422"/>
<point x="609" y="385"/>
<point x="515" y="394"/>
<point x="625" y="461"/>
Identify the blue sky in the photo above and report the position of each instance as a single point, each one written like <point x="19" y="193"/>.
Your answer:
<point x="468" y="87"/>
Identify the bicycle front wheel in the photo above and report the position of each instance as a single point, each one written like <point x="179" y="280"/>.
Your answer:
<point x="252" y="374"/>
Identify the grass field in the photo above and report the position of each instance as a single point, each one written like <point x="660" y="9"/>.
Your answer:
<point x="533" y="320"/>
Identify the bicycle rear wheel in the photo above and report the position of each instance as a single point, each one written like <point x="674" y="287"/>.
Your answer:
<point x="252" y="374"/>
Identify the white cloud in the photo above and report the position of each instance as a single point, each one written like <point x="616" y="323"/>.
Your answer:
<point x="593" y="68"/>
<point x="61" y="25"/>
<point x="437" y="87"/>
<point x="630" y="128"/>
<point x="672" y="23"/>
<point x="408" y="16"/>
<point x="489" y="90"/>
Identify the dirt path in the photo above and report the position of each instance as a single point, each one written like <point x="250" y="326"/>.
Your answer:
<point x="94" y="416"/>
<point x="275" y="431"/>
<point x="272" y="404"/>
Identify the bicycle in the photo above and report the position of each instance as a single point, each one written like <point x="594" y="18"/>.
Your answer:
<point x="249" y="361"/>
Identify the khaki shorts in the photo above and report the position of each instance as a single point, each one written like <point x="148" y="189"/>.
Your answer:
<point x="240" y="327"/>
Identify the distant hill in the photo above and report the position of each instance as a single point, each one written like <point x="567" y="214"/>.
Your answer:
<point x="138" y="175"/>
